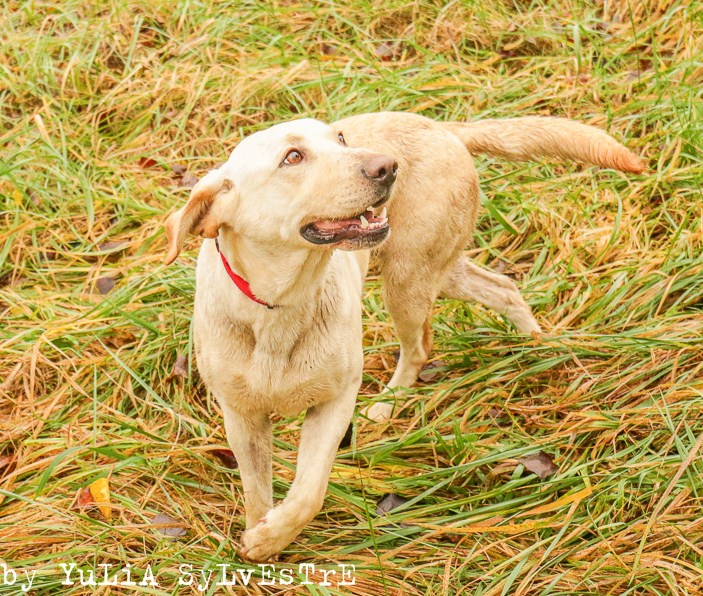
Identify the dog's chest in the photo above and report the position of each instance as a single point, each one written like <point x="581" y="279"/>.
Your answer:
<point x="277" y="368"/>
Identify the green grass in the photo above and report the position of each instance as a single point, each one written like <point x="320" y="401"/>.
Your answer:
<point x="611" y="264"/>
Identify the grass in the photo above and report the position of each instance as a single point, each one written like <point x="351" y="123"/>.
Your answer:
<point x="98" y="101"/>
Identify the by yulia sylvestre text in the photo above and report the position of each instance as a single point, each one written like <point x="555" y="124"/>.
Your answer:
<point x="202" y="579"/>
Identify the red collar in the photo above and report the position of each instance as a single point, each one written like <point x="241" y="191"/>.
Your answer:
<point x="240" y="282"/>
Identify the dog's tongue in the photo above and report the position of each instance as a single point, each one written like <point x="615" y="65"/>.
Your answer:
<point x="331" y="225"/>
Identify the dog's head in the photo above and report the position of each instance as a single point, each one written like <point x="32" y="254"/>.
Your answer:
<point x="295" y="184"/>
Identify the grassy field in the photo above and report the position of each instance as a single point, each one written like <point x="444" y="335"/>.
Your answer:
<point x="107" y="112"/>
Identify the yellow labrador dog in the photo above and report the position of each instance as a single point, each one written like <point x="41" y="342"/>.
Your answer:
<point x="290" y="219"/>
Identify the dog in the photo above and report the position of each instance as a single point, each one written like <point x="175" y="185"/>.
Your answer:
<point x="433" y="212"/>
<point x="290" y="221"/>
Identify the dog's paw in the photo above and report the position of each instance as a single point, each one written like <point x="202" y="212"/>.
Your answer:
<point x="526" y="323"/>
<point x="378" y="412"/>
<point x="263" y="541"/>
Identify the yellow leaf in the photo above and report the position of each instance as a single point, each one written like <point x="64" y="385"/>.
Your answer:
<point x="17" y="195"/>
<point x="510" y="528"/>
<point x="559" y="503"/>
<point x="100" y="489"/>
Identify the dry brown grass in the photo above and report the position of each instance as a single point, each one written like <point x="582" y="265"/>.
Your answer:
<point x="91" y="92"/>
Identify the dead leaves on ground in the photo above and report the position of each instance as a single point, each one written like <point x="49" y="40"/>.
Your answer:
<point x="104" y="285"/>
<point x="180" y="368"/>
<point x="168" y="526"/>
<point x="147" y="162"/>
<point x="226" y="457"/>
<point x="389" y="502"/>
<point x="539" y="463"/>
<point x="7" y="463"/>
<point x="96" y="501"/>
<point x="95" y="497"/>
<point x="180" y="174"/>
<point x="388" y="51"/>
<point x="84" y="499"/>
<point x="182" y="177"/>
<point x="113" y="247"/>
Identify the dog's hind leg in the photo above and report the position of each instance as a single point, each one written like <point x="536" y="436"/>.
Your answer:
<point x="467" y="281"/>
<point x="411" y="311"/>
<point x="251" y="440"/>
<point x="324" y="426"/>
<point x="409" y="297"/>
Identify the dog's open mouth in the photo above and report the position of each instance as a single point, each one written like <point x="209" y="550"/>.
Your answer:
<point x="363" y="231"/>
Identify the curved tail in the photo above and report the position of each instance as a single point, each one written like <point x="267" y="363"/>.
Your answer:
<point x="530" y="137"/>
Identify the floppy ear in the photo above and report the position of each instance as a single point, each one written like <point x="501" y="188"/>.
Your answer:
<point x="199" y="215"/>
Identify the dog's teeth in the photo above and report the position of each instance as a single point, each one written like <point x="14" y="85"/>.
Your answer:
<point x="364" y="222"/>
<point x="384" y="213"/>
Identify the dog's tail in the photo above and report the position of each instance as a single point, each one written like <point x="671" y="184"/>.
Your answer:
<point x="530" y="137"/>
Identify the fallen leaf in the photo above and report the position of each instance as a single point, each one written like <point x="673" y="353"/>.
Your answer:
<point x="328" y="49"/>
<point x="180" y="368"/>
<point x="387" y="51"/>
<point x="6" y="462"/>
<point x="226" y="457"/>
<point x="499" y="266"/>
<point x="539" y="463"/>
<point x="183" y="178"/>
<point x="188" y="180"/>
<point x="34" y="197"/>
<point x="113" y="245"/>
<point x="499" y="416"/>
<point x="602" y="26"/>
<point x="118" y="339"/>
<point x="389" y="502"/>
<point x="576" y="497"/>
<point x="84" y="499"/>
<point x="147" y="162"/>
<point x="105" y="284"/>
<point x="100" y="490"/>
<point x="48" y="255"/>
<point x="168" y="526"/>
<point x="114" y="62"/>
<point x="430" y="371"/>
<point x="510" y="529"/>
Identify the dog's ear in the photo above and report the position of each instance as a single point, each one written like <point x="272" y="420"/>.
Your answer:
<point x="199" y="215"/>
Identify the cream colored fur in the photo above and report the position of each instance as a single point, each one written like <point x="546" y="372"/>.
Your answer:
<point x="306" y="354"/>
<point x="433" y="208"/>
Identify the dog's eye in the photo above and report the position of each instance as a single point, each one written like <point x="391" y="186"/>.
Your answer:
<point x="293" y="157"/>
<point x="340" y="136"/>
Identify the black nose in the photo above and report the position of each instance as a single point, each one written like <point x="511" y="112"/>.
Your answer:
<point x="380" y="168"/>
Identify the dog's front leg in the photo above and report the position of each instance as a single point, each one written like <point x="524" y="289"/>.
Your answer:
<point x="251" y="439"/>
<point x="323" y="429"/>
